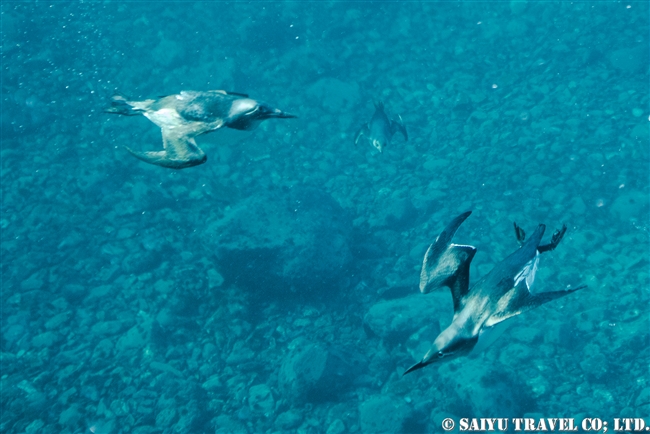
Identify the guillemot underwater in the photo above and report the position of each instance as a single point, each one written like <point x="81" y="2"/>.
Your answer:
<point x="189" y="114"/>
<point x="501" y="294"/>
<point x="380" y="130"/>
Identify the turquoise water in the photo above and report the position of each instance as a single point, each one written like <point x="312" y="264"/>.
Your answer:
<point x="275" y="287"/>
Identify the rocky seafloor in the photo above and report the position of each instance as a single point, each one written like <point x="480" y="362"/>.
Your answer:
<point x="274" y="288"/>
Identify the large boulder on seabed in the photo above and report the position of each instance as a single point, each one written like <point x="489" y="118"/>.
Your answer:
<point x="315" y="372"/>
<point x="296" y="239"/>
<point x="395" y="320"/>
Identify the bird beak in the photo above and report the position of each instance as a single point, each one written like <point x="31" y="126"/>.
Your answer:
<point x="415" y="367"/>
<point x="280" y="114"/>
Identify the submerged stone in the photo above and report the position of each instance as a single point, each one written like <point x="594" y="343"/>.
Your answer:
<point x="46" y="339"/>
<point x="226" y="424"/>
<point x="107" y="327"/>
<point x="299" y="239"/>
<point x="34" y="427"/>
<point x="486" y="392"/>
<point x="630" y="59"/>
<point x="58" y="320"/>
<point x="312" y="373"/>
<point x="70" y="417"/>
<point x="336" y="427"/>
<point x="288" y="420"/>
<point x="631" y="205"/>
<point x="240" y="354"/>
<point x="260" y="399"/>
<point x="397" y="319"/>
<point x="383" y="414"/>
<point x="166" y="417"/>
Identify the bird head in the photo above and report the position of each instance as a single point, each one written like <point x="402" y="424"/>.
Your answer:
<point x="246" y="114"/>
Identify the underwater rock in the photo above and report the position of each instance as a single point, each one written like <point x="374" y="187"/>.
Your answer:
<point x="104" y="349"/>
<point x="334" y="95"/>
<point x="486" y="392"/>
<point x="312" y="373"/>
<point x="288" y="420"/>
<point x="302" y="371"/>
<point x="213" y="382"/>
<point x="166" y="417"/>
<point x="518" y="6"/>
<point x="513" y="353"/>
<point x="119" y="407"/>
<point x="383" y="414"/>
<point x="225" y="424"/>
<point x="642" y="401"/>
<point x="631" y="205"/>
<point x="538" y="386"/>
<point x="137" y="336"/>
<point x="31" y="284"/>
<point x="70" y="417"/>
<point x="395" y="320"/>
<point x="392" y="208"/>
<point x="336" y="427"/>
<point x="46" y="339"/>
<point x="240" y="354"/>
<point x="594" y="364"/>
<point x="141" y="261"/>
<point x="13" y="333"/>
<point x="260" y="399"/>
<point x="298" y="240"/>
<point x="58" y="320"/>
<point x="399" y="213"/>
<point x="215" y="279"/>
<point x="35" y="427"/>
<point x="73" y="292"/>
<point x="107" y="328"/>
<point x="640" y="132"/>
<point x="630" y="60"/>
<point x="164" y="367"/>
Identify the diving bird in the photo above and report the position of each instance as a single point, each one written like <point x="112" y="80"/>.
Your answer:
<point x="380" y="129"/>
<point x="189" y="114"/>
<point x="501" y="294"/>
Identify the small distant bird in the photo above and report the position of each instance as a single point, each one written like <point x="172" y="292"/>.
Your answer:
<point x="380" y="129"/>
<point x="501" y="294"/>
<point x="189" y="114"/>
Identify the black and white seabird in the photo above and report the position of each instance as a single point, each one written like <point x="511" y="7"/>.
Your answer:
<point x="501" y="294"/>
<point x="189" y="114"/>
<point x="380" y="130"/>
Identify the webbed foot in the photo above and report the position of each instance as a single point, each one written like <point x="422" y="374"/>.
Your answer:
<point x="520" y="234"/>
<point x="555" y="240"/>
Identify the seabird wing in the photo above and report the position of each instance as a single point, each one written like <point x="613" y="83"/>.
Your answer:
<point x="442" y="260"/>
<point x="488" y="336"/>
<point x="459" y="284"/>
<point x="363" y="130"/>
<point x="179" y="152"/>
<point x="179" y="146"/>
<point x="448" y="232"/>
<point x="520" y="300"/>
<point x="399" y="126"/>
<point x="121" y="106"/>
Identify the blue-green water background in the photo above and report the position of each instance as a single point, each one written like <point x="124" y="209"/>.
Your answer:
<point x="122" y="313"/>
